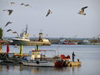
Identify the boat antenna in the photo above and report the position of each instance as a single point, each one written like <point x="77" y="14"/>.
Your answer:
<point x="58" y="50"/>
<point x="26" y="28"/>
<point x="41" y="30"/>
<point x="46" y="35"/>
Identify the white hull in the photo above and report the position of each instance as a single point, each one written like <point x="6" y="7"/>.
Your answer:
<point x="40" y="64"/>
<point x="20" y="39"/>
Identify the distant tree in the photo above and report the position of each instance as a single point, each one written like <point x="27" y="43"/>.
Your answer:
<point x="1" y="33"/>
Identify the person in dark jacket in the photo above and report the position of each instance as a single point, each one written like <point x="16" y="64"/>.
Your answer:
<point x="73" y="55"/>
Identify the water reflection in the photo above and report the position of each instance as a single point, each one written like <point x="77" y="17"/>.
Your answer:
<point x="46" y="70"/>
<point x="68" y="69"/>
<point x="1" y="67"/>
<point x="38" y="70"/>
<point x="35" y="70"/>
<point x="75" y="68"/>
<point x="21" y="67"/>
<point x="7" y="68"/>
<point x="11" y="67"/>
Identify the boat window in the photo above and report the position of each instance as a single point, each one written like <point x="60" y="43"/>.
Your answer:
<point x="11" y="55"/>
<point x="32" y="53"/>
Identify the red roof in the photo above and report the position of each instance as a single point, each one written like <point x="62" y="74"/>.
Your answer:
<point x="2" y="41"/>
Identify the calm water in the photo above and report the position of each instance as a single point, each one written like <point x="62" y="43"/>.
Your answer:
<point x="89" y="55"/>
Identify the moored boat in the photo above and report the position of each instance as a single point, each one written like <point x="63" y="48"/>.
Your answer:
<point x="85" y="42"/>
<point x="61" y="41"/>
<point x="67" y="42"/>
<point x="37" y="59"/>
<point x="24" y="39"/>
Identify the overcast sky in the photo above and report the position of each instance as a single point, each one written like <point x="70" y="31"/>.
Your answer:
<point x="64" y="20"/>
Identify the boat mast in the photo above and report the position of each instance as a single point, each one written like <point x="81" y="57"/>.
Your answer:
<point x="26" y="29"/>
<point x="40" y="35"/>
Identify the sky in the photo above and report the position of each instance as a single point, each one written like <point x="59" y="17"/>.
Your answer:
<point x="63" y="22"/>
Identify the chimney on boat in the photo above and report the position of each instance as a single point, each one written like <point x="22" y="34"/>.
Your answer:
<point x="40" y="36"/>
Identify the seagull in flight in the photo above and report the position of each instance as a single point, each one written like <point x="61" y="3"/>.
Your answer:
<point x="9" y="30"/>
<point x="22" y="4"/>
<point x="14" y="32"/>
<point x="11" y="3"/>
<point x="9" y="10"/>
<point x="49" y="12"/>
<point x="82" y="10"/>
<point x="26" y="5"/>
<point x="8" y="23"/>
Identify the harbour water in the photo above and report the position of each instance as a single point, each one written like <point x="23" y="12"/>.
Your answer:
<point x="89" y="55"/>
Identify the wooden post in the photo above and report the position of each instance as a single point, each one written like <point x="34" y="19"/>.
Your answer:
<point x="1" y="47"/>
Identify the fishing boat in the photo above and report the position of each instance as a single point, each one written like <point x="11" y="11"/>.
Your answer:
<point x="85" y="42"/>
<point x="61" y="40"/>
<point x="37" y="59"/>
<point x="24" y="39"/>
<point x="66" y="42"/>
<point x="69" y="43"/>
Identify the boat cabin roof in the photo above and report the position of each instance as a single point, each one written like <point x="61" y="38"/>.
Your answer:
<point x="2" y="41"/>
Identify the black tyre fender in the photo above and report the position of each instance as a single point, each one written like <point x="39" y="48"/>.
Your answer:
<point x="37" y="62"/>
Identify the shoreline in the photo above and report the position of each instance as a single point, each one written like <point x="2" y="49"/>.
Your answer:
<point x="56" y="40"/>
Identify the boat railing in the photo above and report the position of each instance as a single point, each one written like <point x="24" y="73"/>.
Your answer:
<point x="46" y="58"/>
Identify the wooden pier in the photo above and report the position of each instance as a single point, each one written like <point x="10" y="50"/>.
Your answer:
<point x="71" y="63"/>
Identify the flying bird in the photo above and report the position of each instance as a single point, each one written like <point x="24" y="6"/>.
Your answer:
<point x="28" y="5"/>
<point x="82" y="10"/>
<point x="22" y="4"/>
<point x="9" y="10"/>
<point x="4" y="10"/>
<point x="14" y="32"/>
<point x="9" y="30"/>
<point x="11" y="3"/>
<point x="49" y="12"/>
<point x="8" y="23"/>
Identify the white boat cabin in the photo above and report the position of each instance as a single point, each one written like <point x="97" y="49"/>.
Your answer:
<point x="34" y="54"/>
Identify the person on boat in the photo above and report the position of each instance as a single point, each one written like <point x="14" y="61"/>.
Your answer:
<point x="73" y="55"/>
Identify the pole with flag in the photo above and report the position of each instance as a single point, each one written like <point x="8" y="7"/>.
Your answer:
<point x="37" y="47"/>
<point x="8" y="49"/>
